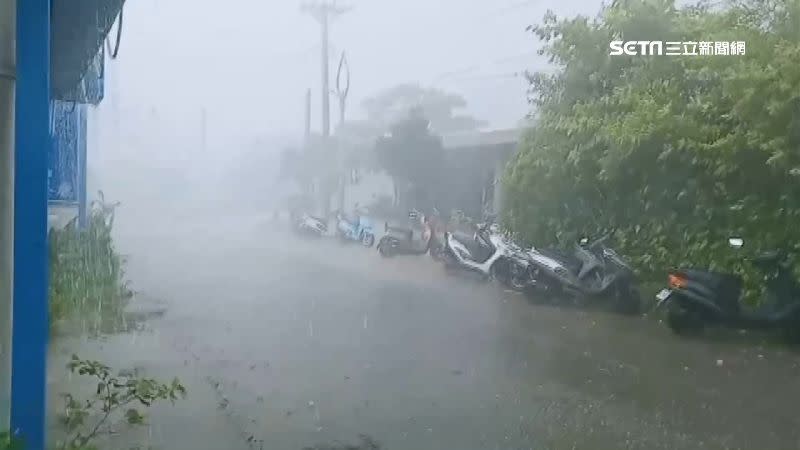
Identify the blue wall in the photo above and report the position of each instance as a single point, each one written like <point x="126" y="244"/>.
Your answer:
<point x="68" y="135"/>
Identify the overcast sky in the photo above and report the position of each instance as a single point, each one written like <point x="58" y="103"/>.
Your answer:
<point x="250" y="61"/>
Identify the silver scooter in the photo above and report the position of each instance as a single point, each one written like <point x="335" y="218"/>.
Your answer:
<point x="309" y="225"/>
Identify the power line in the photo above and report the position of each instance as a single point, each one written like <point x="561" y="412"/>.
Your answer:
<point x="450" y="74"/>
<point x="505" y="10"/>
<point x="494" y="76"/>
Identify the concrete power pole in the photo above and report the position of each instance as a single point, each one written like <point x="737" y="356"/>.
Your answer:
<point x="342" y="90"/>
<point x="307" y="136"/>
<point x="203" y="132"/>
<point x="324" y="11"/>
<point x="309" y="188"/>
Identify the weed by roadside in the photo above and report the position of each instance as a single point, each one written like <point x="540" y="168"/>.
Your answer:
<point x="118" y="401"/>
<point x="86" y="275"/>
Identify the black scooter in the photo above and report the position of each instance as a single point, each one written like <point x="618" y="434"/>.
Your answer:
<point x="400" y="240"/>
<point x="697" y="298"/>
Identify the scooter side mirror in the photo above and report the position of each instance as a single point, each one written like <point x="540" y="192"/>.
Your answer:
<point x="736" y="242"/>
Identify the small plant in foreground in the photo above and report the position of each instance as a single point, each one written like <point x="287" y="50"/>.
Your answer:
<point x="9" y="442"/>
<point x="118" y="398"/>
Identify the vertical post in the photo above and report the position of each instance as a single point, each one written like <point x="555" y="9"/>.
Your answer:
<point x="497" y="198"/>
<point x="8" y="20"/>
<point x="308" y="119"/>
<point x="324" y="11"/>
<point x="326" y="109"/>
<point x="308" y="189"/>
<point x="203" y="134"/>
<point x="342" y="92"/>
<point x="29" y="351"/>
<point x="82" y="165"/>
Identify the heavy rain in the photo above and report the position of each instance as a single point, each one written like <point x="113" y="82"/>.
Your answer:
<point x="442" y="224"/>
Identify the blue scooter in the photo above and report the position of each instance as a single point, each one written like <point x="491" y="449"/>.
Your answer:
<point x="358" y="230"/>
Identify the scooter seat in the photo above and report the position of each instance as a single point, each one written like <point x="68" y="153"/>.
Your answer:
<point x="462" y="237"/>
<point x="479" y="252"/>
<point x="712" y="279"/>
<point x="726" y="287"/>
<point x="769" y="257"/>
<point x="400" y="232"/>
<point x="569" y="261"/>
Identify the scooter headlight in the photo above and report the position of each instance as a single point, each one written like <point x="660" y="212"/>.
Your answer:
<point x="676" y="281"/>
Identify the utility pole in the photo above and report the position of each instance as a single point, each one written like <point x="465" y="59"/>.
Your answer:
<point x="342" y="90"/>
<point x="203" y="134"/>
<point x="324" y="11"/>
<point x="307" y="136"/>
<point x="309" y="188"/>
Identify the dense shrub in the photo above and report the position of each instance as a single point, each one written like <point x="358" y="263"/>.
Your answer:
<point x="676" y="153"/>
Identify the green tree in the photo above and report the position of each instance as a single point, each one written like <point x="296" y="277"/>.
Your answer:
<point x="675" y="152"/>
<point x="414" y="157"/>
<point x="440" y="107"/>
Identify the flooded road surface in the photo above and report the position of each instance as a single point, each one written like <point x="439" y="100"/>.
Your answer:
<point x="289" y="344"/>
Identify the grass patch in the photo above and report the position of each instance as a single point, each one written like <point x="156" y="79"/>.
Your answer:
<point x="86" y="274"/>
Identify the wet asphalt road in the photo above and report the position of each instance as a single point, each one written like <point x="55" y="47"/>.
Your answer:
<point x="296" y="343"/>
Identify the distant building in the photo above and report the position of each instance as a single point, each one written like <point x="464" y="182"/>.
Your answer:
<point x="476" y="163"/>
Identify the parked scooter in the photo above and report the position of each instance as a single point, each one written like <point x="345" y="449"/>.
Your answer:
<point x="697" y="298"/>
<point x="484" y="253"/>
<point x="593" y="271"/>
<point x="357" y="230"/>
<point x="400" y="240"/>
<point x="309" y="225"/>
<point x="437" y="230"/>
<point x="514" y="270"/>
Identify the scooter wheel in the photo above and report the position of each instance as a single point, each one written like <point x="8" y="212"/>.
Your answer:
<point x="499" y="274"/>
<point x="683" y="321"/>
<point x="383" y="251"/>
<point x="449" y="264"/>
<point x="368" y="240"/>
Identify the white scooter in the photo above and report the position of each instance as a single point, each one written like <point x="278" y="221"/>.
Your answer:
<point x="483" y="253"/>
<point x="309" y="225"/>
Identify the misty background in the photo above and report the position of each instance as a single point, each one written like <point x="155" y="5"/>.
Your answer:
<point x="205" y="95"/>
